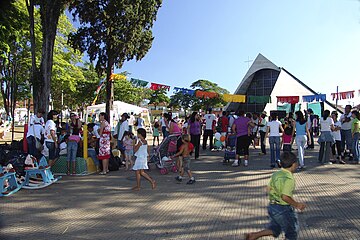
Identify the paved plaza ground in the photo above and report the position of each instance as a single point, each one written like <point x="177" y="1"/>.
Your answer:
<point x="224" y="203"/>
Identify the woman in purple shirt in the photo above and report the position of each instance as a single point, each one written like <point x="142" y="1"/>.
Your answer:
<point x="194" y="129"/>
<point x="241" y="127"/>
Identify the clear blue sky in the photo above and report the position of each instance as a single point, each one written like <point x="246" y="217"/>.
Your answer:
<point x="316" y="40"/>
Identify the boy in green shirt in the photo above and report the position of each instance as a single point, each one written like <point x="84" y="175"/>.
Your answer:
<point x="281" y="207"/>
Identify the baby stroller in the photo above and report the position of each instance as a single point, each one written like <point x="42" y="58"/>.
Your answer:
<point x="230" y="149"/>
<point x="161" y="154"/>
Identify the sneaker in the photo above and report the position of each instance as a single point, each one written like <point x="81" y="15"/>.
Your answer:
<point x="178" y="178"/>
<point x="272" y="165"/>
<point x="278" y="163"/>
<point x="236" y="163"/>
<point x="191" y="181"/>
<point x="246" y="163"/>
<point x="342" y="161"/>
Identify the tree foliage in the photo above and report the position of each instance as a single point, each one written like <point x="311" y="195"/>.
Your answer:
<point x="112" y="32"/>
<point x="205" y="103"/>
<point x="158" y="96"/>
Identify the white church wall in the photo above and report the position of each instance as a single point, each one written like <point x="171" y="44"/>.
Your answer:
<point x="286" y="85"/>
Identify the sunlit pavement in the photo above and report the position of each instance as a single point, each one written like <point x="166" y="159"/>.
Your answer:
<point x="224" y="203"/>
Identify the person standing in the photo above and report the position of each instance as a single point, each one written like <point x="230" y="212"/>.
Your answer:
<point x="273" y="130"/>
<point x="210" y="118"/>
<point x="355" y="131"/>
<point x="131" y="122"/>
<point x="140" y="122"/>
<point x="302" y="136"/>
<point x="35" y="132"/>
<point x="223" y="124"/>
<point x="310" y="118"/>
<point x="241" y="128"/>
<point x="262" y="131"/>
<point x="121" y="127"/>
<point x="51" y="138"/>
<point x="194" y="129"/>
<point x="326" y="139"/>
<point x="254" y="131"/>
<point x="346" y="137"/>
<point x="104" y="144"/>
<point x="163" y="125"/>
<point x="156" y="131"/>
<point x="337" y="137"/>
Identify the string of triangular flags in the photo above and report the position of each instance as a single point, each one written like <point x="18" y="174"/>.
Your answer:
<point x="226" y="97"/>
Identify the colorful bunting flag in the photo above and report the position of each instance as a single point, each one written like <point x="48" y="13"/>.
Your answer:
<point x="316" y="97"/>
<point x="203" y="94"/>
<point x="156" y="86"/>
<point x="343" y="95"/>
<point x="185" y="91"/>
<point x="234" y="98"/>
<point x="115" y="76"/>
<point x="259" y="99"/>
<point x="138" y="82"/>
<point x="288" y="99"/>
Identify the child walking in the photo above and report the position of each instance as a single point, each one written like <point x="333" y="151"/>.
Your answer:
<point x="156" y="132"/>
<point x="128" y="143"/>
<point x="184" y="163"/>
<point x="141" y="154"/>
<point x="287" y="138"/>
<point x="281" y="208"/>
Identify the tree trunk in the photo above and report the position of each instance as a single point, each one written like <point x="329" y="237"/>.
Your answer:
<point x="50" y="12"/>
<point x="109" y="88"/>
<point x="34" y="70"/>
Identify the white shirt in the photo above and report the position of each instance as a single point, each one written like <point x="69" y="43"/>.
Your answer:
<point x="131" y="120"/>
<point x="209" y="119"/>
<point x="141" y="123"/>
<point x="256" y="122"/>
<point x="124" y="126"/>
<point x="337" y="134"/>
<point x="231" y="120"/>
<point x="163" y="123"/>
<point x="274" y="128"/>
<point x="325" y="124"/>
<point x="346" y="125"/>
<point x="263" y="122"/>
<point x="36" y="127"/>
<point x="96" y="132"/>
<point x="50" y="125"/>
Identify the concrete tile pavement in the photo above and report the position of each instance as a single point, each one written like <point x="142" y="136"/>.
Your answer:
<point x="224" y="203"/>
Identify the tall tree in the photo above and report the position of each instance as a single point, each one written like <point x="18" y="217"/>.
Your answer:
<point x="50" y="12"/>
<point x="180" y="100"/>
<point x="208" y="86"/>
<point x="112" y="32"/>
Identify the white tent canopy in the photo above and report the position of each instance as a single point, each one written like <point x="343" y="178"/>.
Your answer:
<point x="118" y="109"/>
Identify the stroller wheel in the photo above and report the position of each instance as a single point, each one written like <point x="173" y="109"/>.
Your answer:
<point x="163" y="171"/>
<point x="174" y="169"/>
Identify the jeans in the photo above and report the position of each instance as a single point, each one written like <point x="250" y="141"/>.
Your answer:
<point x="338" y="148"/>
<point x="346" y="137"/>
<point x="262" y="141"/>
<point x="93" y="155"/>
<point x="311" y="138"/>
<point x="355" y="147"/>
<point x="324" y="154"/>
<point x="53" y="151"/>
<point x="72" y="147"/>
<point x="164" y="132"/>
<point x="283" y="218"/>
<point x="32" y="146"/>
<point x="195" y="140"/>
<point x="301" y="142"/>
<point x="208" y="133"/>
<point x="274" y="148"/>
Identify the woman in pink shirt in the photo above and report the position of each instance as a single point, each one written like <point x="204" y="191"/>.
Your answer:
<point x="72" y="147"/>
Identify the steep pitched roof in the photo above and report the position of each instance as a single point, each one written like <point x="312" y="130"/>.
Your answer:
<point x="259" y="63"/>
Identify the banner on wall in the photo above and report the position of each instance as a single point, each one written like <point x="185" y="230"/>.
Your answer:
<point x="288" y="99"/>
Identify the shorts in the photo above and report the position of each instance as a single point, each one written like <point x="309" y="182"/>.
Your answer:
<point x="283" y="219"/>
<point x="186" y="163"/>
<point x="129" y="152"/>
<point x="53" y="152"/>
<point x="242" y="145"/>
